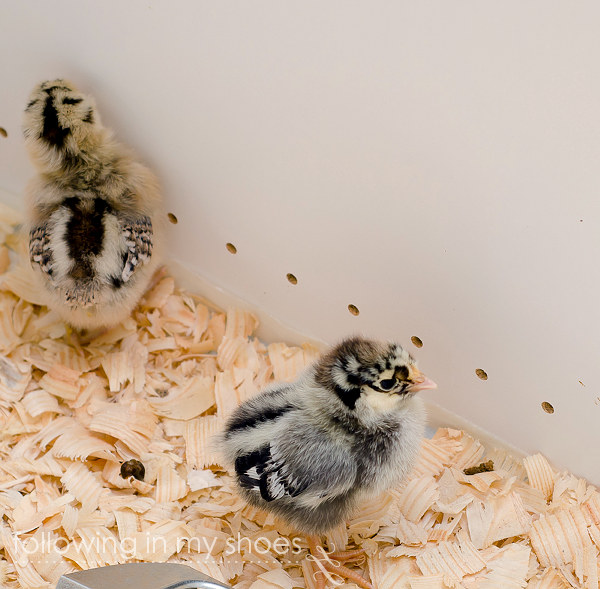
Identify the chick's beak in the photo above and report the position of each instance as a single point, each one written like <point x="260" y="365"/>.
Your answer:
<point x="422" y="383"/>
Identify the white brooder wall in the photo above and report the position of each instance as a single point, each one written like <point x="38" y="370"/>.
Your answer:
<point x="435" y="164"/>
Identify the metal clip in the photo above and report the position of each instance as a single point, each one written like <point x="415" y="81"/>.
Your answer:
<point x="141" y="575"/>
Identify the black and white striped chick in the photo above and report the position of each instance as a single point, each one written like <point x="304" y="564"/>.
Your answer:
<point x="346" y="430"/>
<point x="94" y="212"/>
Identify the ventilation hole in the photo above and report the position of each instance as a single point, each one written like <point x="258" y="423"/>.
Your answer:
<point x="547" y="407"/>
<point x="482" y="374"/>
<point x="417" y="341"/>
<point x="3" y="132"/>
<point x="291" y="278"/>
<point x="353" y="309"/>
<point x="231" y="248"/>
<point x="172" y="218"/>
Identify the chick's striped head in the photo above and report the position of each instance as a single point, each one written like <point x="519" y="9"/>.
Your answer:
<point x="59" y="121"/>
<point x="360" y="366"/>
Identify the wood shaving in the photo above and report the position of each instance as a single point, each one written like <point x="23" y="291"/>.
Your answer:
<point x="540" y="474"/>
<point x="158" y="387"/>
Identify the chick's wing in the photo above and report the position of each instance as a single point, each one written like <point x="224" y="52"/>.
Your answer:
<point x="40" y="252"/>
<point x="138" y="234"/>
<point x="300" y="463"/>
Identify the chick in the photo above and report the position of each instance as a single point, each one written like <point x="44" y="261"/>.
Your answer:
<point x="347" y="429"/>
<point x="94" y="213"/>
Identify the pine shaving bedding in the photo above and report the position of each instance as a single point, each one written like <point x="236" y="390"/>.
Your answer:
<point x="158" y="387"/>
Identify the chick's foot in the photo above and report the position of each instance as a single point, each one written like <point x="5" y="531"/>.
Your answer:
<point x="331" y="563"/>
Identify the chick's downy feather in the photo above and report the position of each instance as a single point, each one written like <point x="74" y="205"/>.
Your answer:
<point x="94" y="212"/>
<point x="348" y="428"/>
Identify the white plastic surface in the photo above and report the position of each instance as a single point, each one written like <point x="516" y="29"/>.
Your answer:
<point x="435" y="164"/>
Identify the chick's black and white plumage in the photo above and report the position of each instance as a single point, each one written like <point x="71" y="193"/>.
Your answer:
<point x="94" y="212"/>
<point x="347" y="429"/>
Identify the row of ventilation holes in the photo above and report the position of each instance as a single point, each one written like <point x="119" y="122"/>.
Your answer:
<point x="353" y="309"/>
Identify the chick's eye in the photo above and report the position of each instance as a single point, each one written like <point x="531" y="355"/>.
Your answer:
<point x="387" y="384"/>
